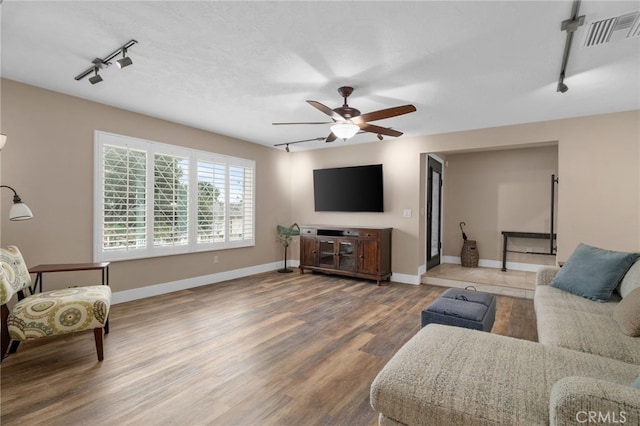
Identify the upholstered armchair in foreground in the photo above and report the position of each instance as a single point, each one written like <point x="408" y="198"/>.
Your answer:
<point x="50" y="313"/>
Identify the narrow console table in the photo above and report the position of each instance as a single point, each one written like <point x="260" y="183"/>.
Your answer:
<point x="533" y="235"/>
<point x="356" y="252"/>
<point x="68" y="267"/>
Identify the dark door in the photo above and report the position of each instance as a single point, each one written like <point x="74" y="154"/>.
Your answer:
<point x="434" y="207"/>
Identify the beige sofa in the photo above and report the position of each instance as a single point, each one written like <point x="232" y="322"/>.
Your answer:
<point x="573" y="322"/>
<point x="579" y="373"/>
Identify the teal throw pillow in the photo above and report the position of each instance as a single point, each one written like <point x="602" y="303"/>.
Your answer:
<point x="593" y="272"/>
<point x="636" y="383"/>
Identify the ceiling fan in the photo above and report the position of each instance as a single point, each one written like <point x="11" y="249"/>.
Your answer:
<point x="348" y="121"/>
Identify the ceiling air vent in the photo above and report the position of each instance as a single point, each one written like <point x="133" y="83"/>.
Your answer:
<point x="613" y="29"/>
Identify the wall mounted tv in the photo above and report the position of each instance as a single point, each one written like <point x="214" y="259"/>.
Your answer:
<point x="349" y="189"/>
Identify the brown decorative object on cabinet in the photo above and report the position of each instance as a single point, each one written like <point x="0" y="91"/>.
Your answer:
<point x="355" y="252"/>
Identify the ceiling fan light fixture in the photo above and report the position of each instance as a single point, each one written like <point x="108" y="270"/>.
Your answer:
<point x="345" y="130"/>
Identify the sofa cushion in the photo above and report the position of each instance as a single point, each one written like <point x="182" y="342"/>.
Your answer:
<point x="631" y="280"/>
<point x="627" y="314"/>
<point x="454" y="376"/>
<point x="592" y="272"/>
<point x="547" y="297"/>
<point x="573" y="322"/>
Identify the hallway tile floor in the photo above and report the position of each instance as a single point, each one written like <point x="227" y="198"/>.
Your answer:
<point x="492" y="280"/>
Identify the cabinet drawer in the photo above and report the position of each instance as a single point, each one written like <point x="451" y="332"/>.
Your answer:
<point x="369" y="234"/>
<point x="308" y="231"/>
<point x="351" y="233"/>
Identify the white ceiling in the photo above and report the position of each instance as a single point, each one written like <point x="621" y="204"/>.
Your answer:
<point x="235" y="67"/>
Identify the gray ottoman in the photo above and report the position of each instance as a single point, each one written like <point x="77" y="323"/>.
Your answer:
<point x="462" y="308"/>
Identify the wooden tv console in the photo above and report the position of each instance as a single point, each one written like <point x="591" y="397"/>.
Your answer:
<point x="355" y="252"/>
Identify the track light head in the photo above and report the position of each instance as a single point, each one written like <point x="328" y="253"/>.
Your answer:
<point x="96" y="78"/>
<point x="125" y="61"/>
<point x="562" y="88"/>
<point x="379" y="137"/>
<point x="286" y="148"/>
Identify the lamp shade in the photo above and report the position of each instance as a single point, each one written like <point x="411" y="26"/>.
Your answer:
<point x="20" y="211"/>
<point x="3" y="140"/>
<point x="345" y="130"/>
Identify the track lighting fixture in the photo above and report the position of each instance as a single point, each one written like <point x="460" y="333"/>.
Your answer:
<point x="96" y="78"/>
<point x="125" y="61"/>
<point x="561" y="86"/>
<point x="101" y="63"/>
<point x="286" y="144"/>
<point x="379" y="137"/>
<point x="570" y="26"/>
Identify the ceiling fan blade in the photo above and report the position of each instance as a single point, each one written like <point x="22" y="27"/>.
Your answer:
<point x="331" y="113"/>
<point x="384" y="113"/>
<point x="303" y="122"/>
<point x="379" y="130"/>
<point x="331" y="137"/>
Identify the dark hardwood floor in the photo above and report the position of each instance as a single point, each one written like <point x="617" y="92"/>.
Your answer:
<point x="270" y="349"/>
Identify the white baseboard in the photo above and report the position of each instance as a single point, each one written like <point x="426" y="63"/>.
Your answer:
<point x="486" y="263"/>
<point x="405" y="278"/>
<point x="169" y="287"/>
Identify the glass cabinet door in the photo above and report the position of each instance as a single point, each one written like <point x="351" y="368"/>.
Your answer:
<point x="327" y="253"/>
<point x="346" y="255"/>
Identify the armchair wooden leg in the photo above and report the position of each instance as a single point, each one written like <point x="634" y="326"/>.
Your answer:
<point x="5" y="339"/>
<point x="97" y="333"/>
<point x="106" y="326"/>
<point x="14" y="346"/>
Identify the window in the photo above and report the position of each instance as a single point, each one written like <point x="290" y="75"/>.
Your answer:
<point x="154" y="199"/>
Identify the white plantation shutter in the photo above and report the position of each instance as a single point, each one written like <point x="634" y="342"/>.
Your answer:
<point x="170" y="200"/>
<point x="211" y="202"/>
<point x="155" y="199"/>
<point x="240" y="202"/>
<point x="123" y="198"/>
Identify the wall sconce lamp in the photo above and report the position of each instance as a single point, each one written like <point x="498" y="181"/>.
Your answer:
<point x="19" y="210"/>
<point x="3" y="140"/>
<point x="100" y="63"/>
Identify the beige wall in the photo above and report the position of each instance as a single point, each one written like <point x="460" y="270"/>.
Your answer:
<point x="501" y="190"/>
<point x="598" y="196"/>
<point x="48" y="158"/>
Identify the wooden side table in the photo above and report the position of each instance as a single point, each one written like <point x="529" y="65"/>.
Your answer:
<point x="68" y="267"/>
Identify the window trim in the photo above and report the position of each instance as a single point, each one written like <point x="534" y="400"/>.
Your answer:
<point x="151" y="148"/>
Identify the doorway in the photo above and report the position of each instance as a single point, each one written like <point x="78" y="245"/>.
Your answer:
<point x="434" y="210"/>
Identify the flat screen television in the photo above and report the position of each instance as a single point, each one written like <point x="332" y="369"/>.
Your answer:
<point x="349" y="189"/>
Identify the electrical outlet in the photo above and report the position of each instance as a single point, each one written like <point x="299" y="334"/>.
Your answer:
<point x="406" y="213"/>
